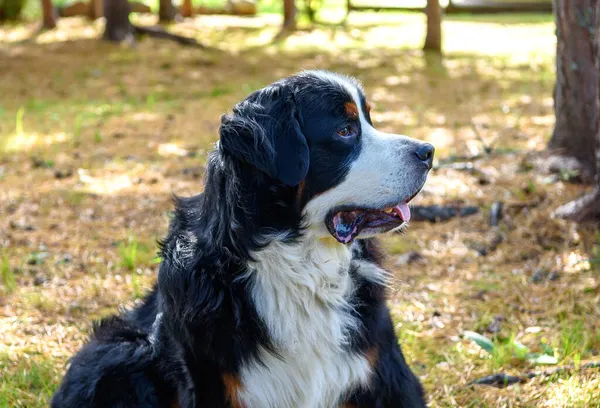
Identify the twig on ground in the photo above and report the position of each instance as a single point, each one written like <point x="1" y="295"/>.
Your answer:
<point x="502" y="380"/>
<point x="487" y="149"/>
<point x="436" y="213"/>
<point x="159" y="32"/>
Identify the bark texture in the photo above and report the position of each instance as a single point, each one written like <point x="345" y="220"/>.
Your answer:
<point x="574" y="139"/>
<point x="289" y="15"/>
<point x="48" y="14"/>
<point x="118" y="28"/>
<point x="167" y="12"/>
<point x="95" y="9"/>
<point x="587" y="208"/>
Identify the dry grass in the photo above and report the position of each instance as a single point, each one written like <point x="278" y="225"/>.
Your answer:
<point x="96" y="137"/>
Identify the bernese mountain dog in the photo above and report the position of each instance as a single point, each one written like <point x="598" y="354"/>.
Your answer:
<point x="271" y="292"/>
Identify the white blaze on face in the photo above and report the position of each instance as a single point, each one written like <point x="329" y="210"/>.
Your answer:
<point x="385" y="172"/>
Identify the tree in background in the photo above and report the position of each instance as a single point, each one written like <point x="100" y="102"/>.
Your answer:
<point x="118" y="27"/>
<point x="95" y="9"/>
<point x="573" y="142"/>
<point x="11" y="9"/>
<point x="167" y="11"/>
<point x="289" y="16"/>
<point x="48" y="14"/>
<point x="433" y="39"/>
<point x="186" y="9"/>
<point x="576" y="136"/>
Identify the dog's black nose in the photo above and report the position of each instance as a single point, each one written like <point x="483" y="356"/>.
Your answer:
<point x="425" y="154"/>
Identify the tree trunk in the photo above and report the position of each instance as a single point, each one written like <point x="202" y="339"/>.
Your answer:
<point x="118" y="27"/>
<point x="574" y="139"/>
<point x="166" y="11"/>
<point x="187" y="10"/>
<point x="48" y="14"/>
<point x="433" y="40"/>
<point x="587" y="208"/>
<point x="95" y="9"/>
<point x="289" y="15"/>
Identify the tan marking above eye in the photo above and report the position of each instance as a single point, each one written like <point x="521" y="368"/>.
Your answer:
<point x="351" y="110"/>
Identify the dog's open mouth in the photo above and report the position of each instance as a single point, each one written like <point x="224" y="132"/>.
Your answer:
<point x="346" y="223"/>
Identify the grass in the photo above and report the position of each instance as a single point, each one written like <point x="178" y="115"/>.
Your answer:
<point x="130" y="127"/>
<point x="19" y="120"/>
<point x="133" y="255"/>
<point x="27" y="381"/>
<point x="128" y="252"/>
<point x="8" y="275"/>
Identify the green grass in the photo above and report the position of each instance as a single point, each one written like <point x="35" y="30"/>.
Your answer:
<point x="75" y="198"/>
<point x="42" y="302"/>
<point x="574" y="341"/>
<point x="502" y="18"/>
<point x="8" y="275"/>
<point x="26" y="381"/>
<point x="135" y="254"/>
<point x="19" y="120"/>
<point x="129" y="254"/>
<point x="505" y="352"/>
<point x="98" y="137"/>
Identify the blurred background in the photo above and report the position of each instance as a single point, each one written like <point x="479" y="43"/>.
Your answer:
<point x="107" y="108"/>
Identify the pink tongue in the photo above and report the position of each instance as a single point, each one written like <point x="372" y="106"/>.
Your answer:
<point x="403" y="211"/>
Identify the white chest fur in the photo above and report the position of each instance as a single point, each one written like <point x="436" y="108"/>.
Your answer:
<point x="301" y="292"/>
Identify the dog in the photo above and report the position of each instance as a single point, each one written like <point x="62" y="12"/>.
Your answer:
<point x="271" y="293"/>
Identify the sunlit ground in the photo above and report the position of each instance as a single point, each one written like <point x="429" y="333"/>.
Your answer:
<point x="94" y="139"/>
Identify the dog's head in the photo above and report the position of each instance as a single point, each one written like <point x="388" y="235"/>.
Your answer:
<point x="312" y="132"/>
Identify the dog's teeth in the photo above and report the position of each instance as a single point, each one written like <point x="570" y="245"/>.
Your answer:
<point x="389" y="210"/>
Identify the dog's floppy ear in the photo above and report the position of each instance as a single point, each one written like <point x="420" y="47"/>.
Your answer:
<point x="264" y="131"/>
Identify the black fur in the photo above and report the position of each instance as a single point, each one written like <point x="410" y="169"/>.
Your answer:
<point x="264" y="131"/>
<point x="199" y="324"/>
<point x="123" y="366"/>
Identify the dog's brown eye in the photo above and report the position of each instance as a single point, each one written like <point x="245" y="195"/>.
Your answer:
<point x="345" y="131"/>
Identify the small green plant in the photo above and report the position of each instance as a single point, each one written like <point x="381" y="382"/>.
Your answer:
<point x="40" y="301"/>
<point x="501" y="352"/>
<point x="219" y="91"/>
<point x="8" y="275"/>
<point x="27" y="381"/>
<point x="567" y="175"/>
<point x="98" y="136"/>
<point x="37" y="257"/>
<point x="135" y="283"/>
<point x="42" y="163"/>
<point x="75" y="198"/>
<point x="573" y="340"/>
<point x="129" y="254"/>
<point x="77" y="128"/>
<point x="19" y="120"/>
<point x="150" y="101"/>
